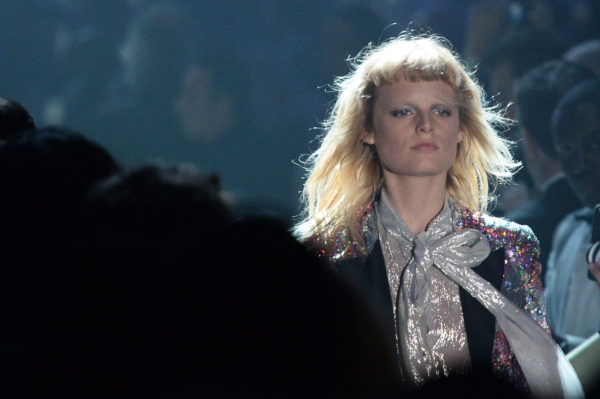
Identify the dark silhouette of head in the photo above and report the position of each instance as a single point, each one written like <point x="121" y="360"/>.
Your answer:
<point x="154" y="209"/>
<point x="44" y="175"/>
<point x="14" y="118"/>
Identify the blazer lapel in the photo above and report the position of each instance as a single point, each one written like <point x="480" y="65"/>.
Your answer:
<point x="369" y="277"/>
<point x="480" y="324"/>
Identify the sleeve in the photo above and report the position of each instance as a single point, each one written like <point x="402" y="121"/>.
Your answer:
<point x="522" y="284"/>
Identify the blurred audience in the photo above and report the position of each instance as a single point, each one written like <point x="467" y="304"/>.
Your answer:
<point x="174" y="103"/>
<point x="64" y="53"/>
<point x="572" y="299"/>
<point x="502" y="64"/>
<point x="593" y="253"/>
<point x="486" y="20"/>
<point x="537" y="94"/>
<point x="217" y="133"/>
<point x="506" y="59"/>
<point x="586" y="54"/>
<point x="85" y="61"/>
<point x="343" y="36"/>
<point x="136" y="120"/>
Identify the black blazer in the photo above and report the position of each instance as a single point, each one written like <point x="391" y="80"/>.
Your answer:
<point x="368" y="275"/>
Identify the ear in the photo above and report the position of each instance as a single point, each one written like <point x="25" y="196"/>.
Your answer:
<point x="368" y="137"/>
<point x="461" y="136"/>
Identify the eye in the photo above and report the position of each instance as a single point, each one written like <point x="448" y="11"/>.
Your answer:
<point x="401" y="112"/>
<point x="442" y="111"/>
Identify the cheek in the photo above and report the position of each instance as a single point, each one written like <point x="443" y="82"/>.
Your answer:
<point x="452" y="154"/>
<point x="386" y="151"/>
<point x="453" y="141"/>
<point x="390" y="145"/>
<point x="453" y="149"/>
<point x="390" y="148"/>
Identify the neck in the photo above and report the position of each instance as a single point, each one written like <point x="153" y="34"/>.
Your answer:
<point x="417" y="199"/>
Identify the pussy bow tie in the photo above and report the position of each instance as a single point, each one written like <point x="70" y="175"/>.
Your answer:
<point x="461" y="249"/>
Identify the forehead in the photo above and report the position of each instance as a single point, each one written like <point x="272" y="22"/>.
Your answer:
<point x="404" y="89"/>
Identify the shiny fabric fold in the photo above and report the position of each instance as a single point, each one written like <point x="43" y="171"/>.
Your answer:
<point x="430" y="329"/>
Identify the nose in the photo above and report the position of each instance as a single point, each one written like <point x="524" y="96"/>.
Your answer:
<point x="424" y="123"/>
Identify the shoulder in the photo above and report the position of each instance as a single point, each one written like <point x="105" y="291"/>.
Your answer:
<point x="501" y="233"/>
<point x="338" y="247"/>
<point x="333" y="248"/>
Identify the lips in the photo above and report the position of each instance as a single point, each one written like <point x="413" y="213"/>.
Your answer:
<point x="426" y="147"/>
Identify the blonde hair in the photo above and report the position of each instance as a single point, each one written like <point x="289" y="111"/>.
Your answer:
<point x="344" y="175"/>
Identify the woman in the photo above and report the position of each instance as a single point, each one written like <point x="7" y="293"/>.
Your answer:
<point x="395" y="199"/>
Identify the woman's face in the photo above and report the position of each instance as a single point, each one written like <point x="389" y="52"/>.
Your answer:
<point x="415" y="128"/>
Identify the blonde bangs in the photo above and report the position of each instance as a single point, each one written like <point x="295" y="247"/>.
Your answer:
<point x="417" y="59"/>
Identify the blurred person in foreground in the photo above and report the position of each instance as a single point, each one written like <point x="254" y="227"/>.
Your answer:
<point x="44" y="174"/>
<point x="14" y="118"/>
<point x="171" y="298"/>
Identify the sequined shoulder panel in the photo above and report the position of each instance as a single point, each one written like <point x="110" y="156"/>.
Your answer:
<point x="501" y="233"/>
<point x="340" y="247"/>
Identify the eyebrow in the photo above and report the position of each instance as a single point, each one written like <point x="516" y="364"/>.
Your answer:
<point x="437" y="104"/>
